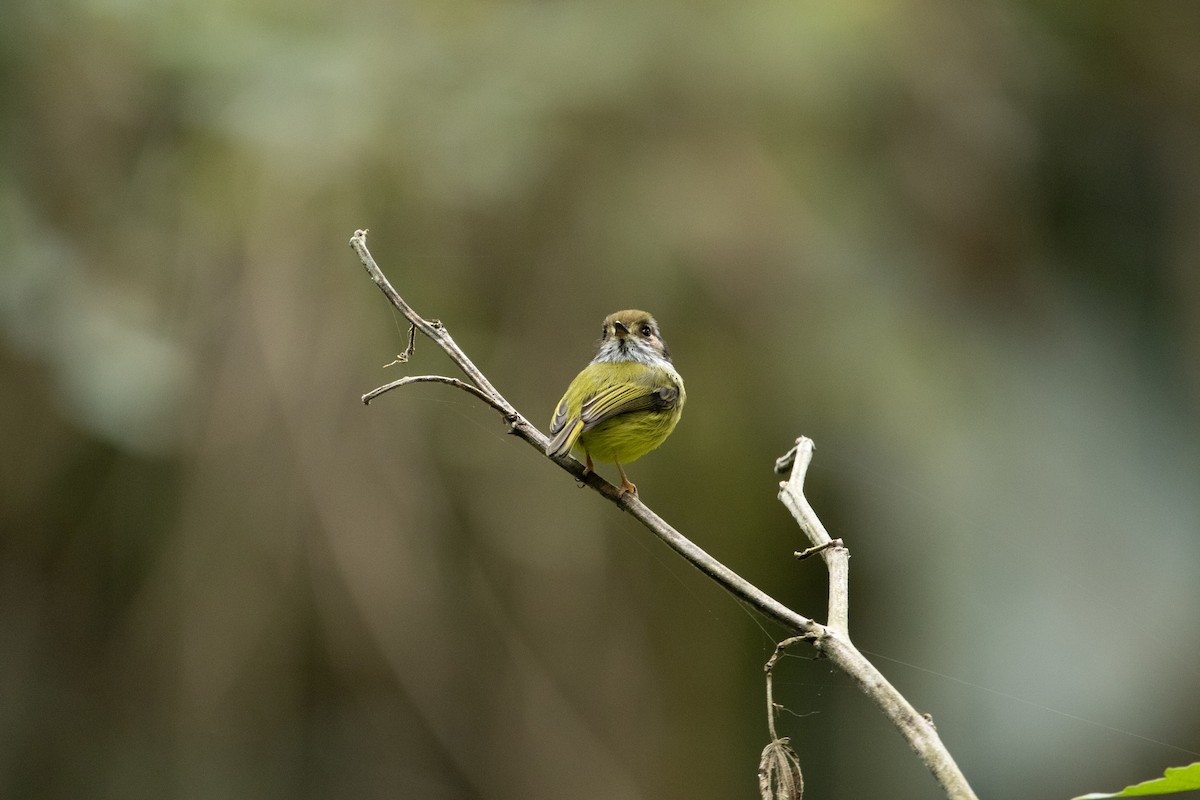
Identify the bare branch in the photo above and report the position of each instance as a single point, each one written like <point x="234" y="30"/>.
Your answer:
<point x="837" y="557"/>
<point x="832" y="641"/>
<point x="917" y="729"/>
<point x="628" y="502"/>
<point x="835" y="644"/>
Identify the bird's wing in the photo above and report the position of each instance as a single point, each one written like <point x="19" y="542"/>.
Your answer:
<point x="623" y="398"/>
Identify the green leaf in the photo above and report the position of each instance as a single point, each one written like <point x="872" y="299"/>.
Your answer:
<point x="1175" y="779"/>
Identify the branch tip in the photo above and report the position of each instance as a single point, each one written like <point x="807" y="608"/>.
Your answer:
<point x="802" y="450"/>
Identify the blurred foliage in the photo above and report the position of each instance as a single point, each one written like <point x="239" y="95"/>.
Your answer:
<point x="956" y="245"/>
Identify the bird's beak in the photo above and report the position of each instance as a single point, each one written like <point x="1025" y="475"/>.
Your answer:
<point x="620" y="329"/>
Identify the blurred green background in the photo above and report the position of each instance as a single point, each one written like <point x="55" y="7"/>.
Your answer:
<point x="954" y="244"/>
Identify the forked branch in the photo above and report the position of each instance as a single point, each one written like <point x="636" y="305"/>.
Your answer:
<point x="831" y="641"/>
<point x="837" y="558"/>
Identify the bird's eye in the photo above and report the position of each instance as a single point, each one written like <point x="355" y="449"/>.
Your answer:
<point x="647" y="331"/>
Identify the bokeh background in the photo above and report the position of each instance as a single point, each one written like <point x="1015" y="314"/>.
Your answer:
<point x="954" y="244"/>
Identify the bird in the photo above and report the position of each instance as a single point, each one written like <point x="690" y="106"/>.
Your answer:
<point x="626" y="402"/>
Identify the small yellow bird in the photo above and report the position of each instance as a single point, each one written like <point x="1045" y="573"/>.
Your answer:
<point x="626" y="402"/>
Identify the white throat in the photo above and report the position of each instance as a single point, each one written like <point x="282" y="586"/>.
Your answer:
<point x="618" y="349"/>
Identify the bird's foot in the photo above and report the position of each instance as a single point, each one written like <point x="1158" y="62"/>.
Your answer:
<point x="627" y="486"/>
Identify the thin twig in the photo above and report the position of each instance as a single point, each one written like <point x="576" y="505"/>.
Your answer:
<point x="409" y="349"/>
<point x="455" y="382"/>
<point x="832" y="641"/>
<point x="769" y="669"/>
<point x="820" y="548"/>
